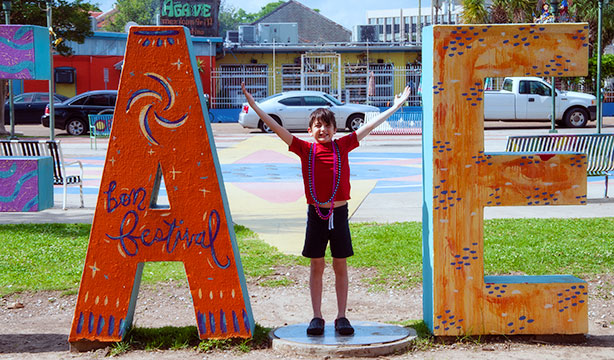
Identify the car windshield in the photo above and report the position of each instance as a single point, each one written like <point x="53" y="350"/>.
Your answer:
<point x="268" y="98"/>
<point x="333" y="99"/>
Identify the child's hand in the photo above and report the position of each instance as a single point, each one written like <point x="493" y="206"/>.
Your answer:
<point x="401" y="98"/>
<point x="248" y="96"/>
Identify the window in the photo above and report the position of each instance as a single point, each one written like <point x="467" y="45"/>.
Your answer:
<point x="292" y="101"/>
<point x="42" y="98"/>
<point x="25" y="98"/>
<point x="80" y="101"/>
<point x="538" y="88"/>
<point x="507" y="86"/>
<point x="269" y="98"/>
<point x="333" y="99"/>
<point x="315" y="101"/>
<point x="97" y="100"/>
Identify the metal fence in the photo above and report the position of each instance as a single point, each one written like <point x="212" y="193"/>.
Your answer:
<point x="374" y="84"/>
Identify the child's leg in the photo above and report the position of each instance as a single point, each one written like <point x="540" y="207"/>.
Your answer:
<point x="315" y="285"/>
<point x="341" y="285"/>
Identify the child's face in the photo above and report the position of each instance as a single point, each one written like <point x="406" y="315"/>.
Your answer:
<point x="321" y="132"/>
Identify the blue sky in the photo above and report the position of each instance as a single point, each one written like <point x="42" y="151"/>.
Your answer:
<point x="346" y="15"/>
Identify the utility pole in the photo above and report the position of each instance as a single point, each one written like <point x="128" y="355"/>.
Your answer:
<point x="554" y="5"/>
<point x="6" y="8"/>
<point x="419" y="29"/>
<point x="51" y="74"/>
<point x="599" y="102"/>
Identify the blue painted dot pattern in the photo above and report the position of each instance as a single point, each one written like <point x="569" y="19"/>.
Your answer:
<point x="571" y="297"/>
<point x="466" y="257"/>
<point x="448" y="321"/>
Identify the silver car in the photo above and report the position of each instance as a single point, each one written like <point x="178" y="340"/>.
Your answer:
<point x="292" y="109"/>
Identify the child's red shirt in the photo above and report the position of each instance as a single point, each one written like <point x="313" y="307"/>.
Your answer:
<point x="324" y="172"/>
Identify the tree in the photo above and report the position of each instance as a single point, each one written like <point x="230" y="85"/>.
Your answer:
<point x="70" y="22"/>
<point x="474" y="12"/>
<point x="498" y="12"/>
<point x="587" y="10"/>
<point x="141" y="12"/>
<point x="70" y="19"/>
<point x="230" y="18"/>
<point x="607" y="70"/>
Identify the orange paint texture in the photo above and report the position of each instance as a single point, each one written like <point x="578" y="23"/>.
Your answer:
<point x="160" y="134"/>
<point x="465" y="179"/>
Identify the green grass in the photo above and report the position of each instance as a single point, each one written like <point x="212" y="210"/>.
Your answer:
<point x="38" y="257"/>
<point x="395" y="250"/>
<point x="186" y="337"/>
<point x="41" y="256"/>
<point x="549" y="246"/>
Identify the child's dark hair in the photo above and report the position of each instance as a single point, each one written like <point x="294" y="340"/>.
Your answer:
<point x="324" y="116"/>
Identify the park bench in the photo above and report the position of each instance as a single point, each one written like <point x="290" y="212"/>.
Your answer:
<point x="100" y="126"/>
<point x="46" y="148"/>
<point x="599" y="149"/>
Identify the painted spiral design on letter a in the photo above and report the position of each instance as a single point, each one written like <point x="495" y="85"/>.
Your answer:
<point x="147" y="111"/>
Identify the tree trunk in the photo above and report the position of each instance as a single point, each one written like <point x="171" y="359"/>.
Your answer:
<point x="3" y="96"/>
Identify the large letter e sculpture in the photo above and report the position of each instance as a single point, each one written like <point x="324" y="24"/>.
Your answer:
<point x="460" y="179"/>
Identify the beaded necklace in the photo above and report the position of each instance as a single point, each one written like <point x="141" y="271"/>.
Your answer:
<point x="336" y="180"/>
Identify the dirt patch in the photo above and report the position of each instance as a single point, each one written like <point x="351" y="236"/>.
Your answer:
<point x="40" y="328"/>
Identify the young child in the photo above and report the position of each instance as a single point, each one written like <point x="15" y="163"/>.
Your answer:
<point x="326" y="178"/>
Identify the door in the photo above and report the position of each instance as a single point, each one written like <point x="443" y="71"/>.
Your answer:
<point x="539" y="101"/>
<point x="292" y="112"/>
<point x="21" y="107"/>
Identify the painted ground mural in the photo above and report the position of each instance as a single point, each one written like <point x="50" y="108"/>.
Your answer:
<point x="460" y="180"/>
<point x="160" y="135"/>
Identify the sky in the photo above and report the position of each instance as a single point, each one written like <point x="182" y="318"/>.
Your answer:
<point x="346" y="15"/>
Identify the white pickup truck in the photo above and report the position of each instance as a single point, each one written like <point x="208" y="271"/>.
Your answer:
<point x="529" y="98"/>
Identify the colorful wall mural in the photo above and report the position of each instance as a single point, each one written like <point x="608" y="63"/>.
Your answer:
<point x="26" y="183"/>
<point x="25" y="52"/>
<point x="161" y="134"/>
<point x="460" y="179"/>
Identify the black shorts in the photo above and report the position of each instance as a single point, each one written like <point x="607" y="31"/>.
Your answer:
<point x="317" y="234"/>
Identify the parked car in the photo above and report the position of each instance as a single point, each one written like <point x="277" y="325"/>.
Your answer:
<point x="530" y="99"/>
<point x="292" y="109"/>
<point x="29" y="107"/>
<point x="71" y="115"/>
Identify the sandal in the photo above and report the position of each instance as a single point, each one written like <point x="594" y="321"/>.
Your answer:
<point x="343" y="327"/>
<point x="316" y="326"/>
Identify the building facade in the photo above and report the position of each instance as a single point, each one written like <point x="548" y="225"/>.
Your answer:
<point x="97" y="64"/>
<point x="399" y="25"/>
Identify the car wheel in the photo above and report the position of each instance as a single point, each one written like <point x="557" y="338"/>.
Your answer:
<point x="265" y="128"/>
<point x="576" y="117"/>
<point x="355" y="121"/>
<point x="75" y="127"/>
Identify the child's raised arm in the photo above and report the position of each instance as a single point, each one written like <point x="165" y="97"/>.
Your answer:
<point x="365" y="129"/>
<point x="271" y="123"/>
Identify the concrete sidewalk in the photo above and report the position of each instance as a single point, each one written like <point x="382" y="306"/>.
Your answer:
<point x="386" y="181"/>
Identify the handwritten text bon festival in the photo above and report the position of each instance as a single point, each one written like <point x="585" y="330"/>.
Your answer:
<point x="171" y="233"/>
